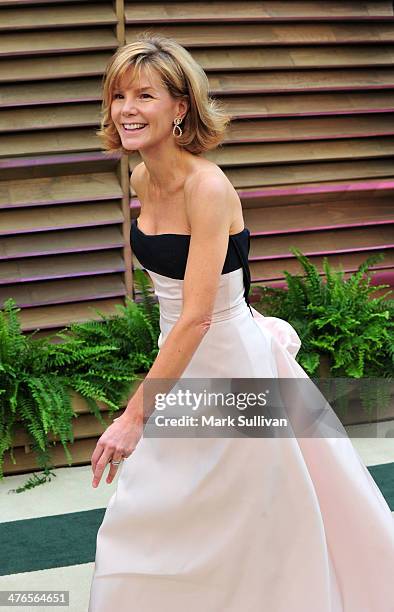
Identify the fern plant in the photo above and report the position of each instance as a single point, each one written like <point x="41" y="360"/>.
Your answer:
<point x="30" y="392"/>
<point x="339" y="321"/>
<point x="98" y="359"/>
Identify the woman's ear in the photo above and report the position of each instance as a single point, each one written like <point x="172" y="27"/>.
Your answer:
<point x="184" y="106"/>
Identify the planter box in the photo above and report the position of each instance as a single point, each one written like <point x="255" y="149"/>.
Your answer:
<point x="86" y="428"/>
<point x="356" y="414"/>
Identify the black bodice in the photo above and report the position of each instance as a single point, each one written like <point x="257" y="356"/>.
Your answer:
<point x="174" y="248"/>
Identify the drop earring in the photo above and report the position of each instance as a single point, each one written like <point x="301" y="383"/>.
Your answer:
<point x="177" y="121"/>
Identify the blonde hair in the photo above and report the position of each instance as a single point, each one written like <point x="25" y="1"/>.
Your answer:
<point x="205" y="122"/>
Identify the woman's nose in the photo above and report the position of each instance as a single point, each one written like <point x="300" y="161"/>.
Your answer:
<point x="128" y="106"/>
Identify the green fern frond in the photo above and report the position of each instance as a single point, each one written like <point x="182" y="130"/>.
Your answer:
<point x="100" y="360"/>
<point x="338" y="319"/>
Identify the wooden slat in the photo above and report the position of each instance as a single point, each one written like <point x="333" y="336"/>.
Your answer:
<point x="217" y="35"/>
<point x="63" y="241"/>
<point x="59" y="189"/>
<point x="33" y="43"/>
<point x="61" y="266"/>
<point x="304" y="173"/>
<point x="81" y="452"/>
<point x="120" y="27"/>
<point x="268" y="271"/>
<point x="14" y="168"/>
<point x="318" y="215"/>
<point x="70" y="66"/>
<point x="85" y="426"/>
<point x="62" y="315"/>
<point x="59" y="141"/>
<point x="343" y="193"/>
<point x="300" y="81"/>
<point x="310" y="128"/>
<point x="314" y="104"/>
<point x="64" y="291"/>
<point x="356" y="148"/>
<point x="50" y="117"/>
<point x="290" y="57"/>
<point x="85" y="421"/>
<point x="365" y="240"/>
<point x="86" y="431"/>
<point x="50" y="92"/>
<point x="37" y="219"/>
<point x="24" y="3"/>
<point x="56" y="17"/>
<point x="255" y="11"/>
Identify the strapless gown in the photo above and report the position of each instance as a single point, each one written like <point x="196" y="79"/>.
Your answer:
<point x="240" y="524"/>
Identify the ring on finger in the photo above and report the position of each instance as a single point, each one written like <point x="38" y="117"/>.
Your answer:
<point x="116" y="462"/>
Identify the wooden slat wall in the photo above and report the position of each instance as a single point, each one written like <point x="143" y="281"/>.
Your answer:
<point x="310" y="87"/>
<point x="64" y="208"/>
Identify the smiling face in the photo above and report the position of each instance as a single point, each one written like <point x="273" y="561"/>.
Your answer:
<point x="148" y="103"/>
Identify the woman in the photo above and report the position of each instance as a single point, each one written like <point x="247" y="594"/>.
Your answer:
<point x="223" y="524"/>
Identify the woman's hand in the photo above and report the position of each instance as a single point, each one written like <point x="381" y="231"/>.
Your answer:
<point x="118" y="441"/>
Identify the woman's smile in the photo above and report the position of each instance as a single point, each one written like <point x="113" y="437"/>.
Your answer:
<point x="131" y="130"/>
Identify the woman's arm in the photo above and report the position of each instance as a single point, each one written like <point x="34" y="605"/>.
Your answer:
<point x="209" y="213"/>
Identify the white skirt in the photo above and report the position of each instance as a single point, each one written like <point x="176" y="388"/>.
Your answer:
<point x="243" y="524"/>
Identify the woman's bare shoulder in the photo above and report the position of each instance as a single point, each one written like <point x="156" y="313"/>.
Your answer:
<point x="137" y="177"/>
<point x="211" y="176"/>
<point x="206" y="175"/>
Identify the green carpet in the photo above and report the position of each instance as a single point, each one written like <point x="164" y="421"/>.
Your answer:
<point x="70" y="539"/>
<point x="383" y="475"/>
<point x="49" y="541"/>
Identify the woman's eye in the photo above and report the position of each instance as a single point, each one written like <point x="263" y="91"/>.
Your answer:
<point x="144" y="94"/>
